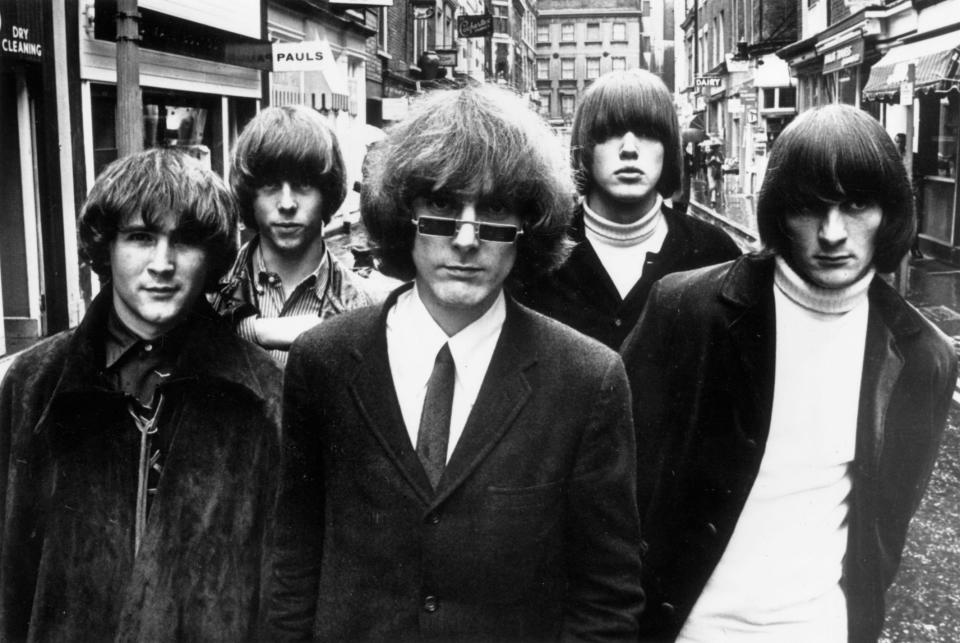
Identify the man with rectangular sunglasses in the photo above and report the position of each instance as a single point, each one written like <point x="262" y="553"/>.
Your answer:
<point x="457" y="466"/>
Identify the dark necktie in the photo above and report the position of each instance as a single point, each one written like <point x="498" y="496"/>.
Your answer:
<point x="434" y="429"/>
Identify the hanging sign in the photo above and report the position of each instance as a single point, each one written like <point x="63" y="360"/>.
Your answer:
<point x="21" y="30"/>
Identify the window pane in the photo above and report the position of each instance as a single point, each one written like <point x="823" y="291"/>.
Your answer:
<point x="566" y="68"/>
<point x="543" y="33"/>
<point x="593" y="32"/>
<point x="619" y="63"/>
<point x="593" y="67"/>
<point x="566" y="32"/>
<point x="619" y="31"/>
<point x="543" y="69"/>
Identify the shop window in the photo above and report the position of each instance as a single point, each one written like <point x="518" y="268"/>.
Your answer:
<point x="847" y="86"/>
<point x="190" y="122"/>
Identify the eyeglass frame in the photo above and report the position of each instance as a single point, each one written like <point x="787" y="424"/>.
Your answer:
<point x="478" y="227"/>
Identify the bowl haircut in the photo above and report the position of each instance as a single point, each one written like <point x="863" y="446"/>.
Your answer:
<point x="618" y="102"/>
<point x="154" y="185"/>
<point x="479" y="142"/>
<point x="830" y="155"/>
<point x="289" y="143"/>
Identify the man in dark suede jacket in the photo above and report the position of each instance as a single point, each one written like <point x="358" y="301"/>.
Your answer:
<point x="138" y="450"/>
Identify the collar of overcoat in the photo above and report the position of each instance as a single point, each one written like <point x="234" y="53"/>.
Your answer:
<point x="208" y="353"/>
<point x="747" y="292"/>
<point x="504" y="392"/>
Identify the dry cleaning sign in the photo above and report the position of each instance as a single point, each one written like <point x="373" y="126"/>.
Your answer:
<point x="20" y="30"/>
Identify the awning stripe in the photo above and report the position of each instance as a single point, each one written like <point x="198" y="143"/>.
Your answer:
<point x="934" y="61"/>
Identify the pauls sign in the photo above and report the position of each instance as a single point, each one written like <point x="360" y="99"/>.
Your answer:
<point x="479" y="26"/>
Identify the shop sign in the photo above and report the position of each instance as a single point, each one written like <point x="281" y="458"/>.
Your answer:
<point x="735" y="106"/>
<point x="21" y="30"/>
<point x="707" y="81"/>
<point x="423" y="9"/>
<point x="842" y="57"/>
<point x="447" y="57"/>
<point x="906" y="93"/>
<point x="479" y="26"/>
<point x="365" y="3"/>
<point x="301" y="56"/>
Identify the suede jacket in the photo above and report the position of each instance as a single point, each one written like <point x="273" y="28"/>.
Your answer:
<point x="701" y="364"/>
<point x="69" y="455"/>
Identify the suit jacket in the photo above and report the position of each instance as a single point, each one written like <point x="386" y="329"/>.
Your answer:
<point x="532" y="532"/>
<point x="701" y="366"/>
<point x="69" y="454"/>
<point x="582" y="295"/>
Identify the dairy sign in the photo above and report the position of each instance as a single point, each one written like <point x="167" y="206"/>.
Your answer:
<point x="21" y="30"/>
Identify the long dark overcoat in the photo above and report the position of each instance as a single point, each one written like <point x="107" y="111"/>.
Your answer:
<point x="582" y="295"/>
<point x="701" y="367"/>
<point x="68" y="479"/>
<point x="532" y="532"/>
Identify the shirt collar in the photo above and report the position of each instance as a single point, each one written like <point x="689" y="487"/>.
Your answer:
<point x="318" y="278"/>
<point x="471" y="348"/>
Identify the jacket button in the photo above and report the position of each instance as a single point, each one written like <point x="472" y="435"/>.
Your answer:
<point x="751" y="443"/>
<point x="433" y="518"/>
<point x="668" y="608"/>
<point x="618" y="322"/>
<point x="712" y="528"/>
<point x="431" y="604"/>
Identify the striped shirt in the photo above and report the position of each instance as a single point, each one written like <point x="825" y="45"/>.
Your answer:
<point x="312" y="296"/>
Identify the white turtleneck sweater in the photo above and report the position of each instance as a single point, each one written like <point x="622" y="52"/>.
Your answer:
<point x="779" y="577"/>
<point x="622" y="247"/>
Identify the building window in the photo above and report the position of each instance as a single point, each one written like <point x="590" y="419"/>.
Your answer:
<point x="646" y="8"/>
<point x="619" y="32"/>
<point x="619" y="63"/>
<point x="543" y="33"/>
<point x="501" y="19"/>
<point x="566" y="68"/>
<point x="593" y="67"/>
<point x="788" y="97"/>
<point x="383" y="30"/>
<point x="593" y="32"/>
<point x="545" y="103"/>
<point x="543" y="69"/>
<point x="645" y="43"/>
<point x="567" y="105"/>
<point x="566" y="32"/>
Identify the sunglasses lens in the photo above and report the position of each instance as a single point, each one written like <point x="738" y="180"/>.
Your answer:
<point x="437" y="227"/>
<point x="501" y="234"/>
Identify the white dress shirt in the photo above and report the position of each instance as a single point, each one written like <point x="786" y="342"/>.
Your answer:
<point x="413" y="341"/>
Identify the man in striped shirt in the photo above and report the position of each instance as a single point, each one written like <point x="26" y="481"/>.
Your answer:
<point x="289" y="178"/>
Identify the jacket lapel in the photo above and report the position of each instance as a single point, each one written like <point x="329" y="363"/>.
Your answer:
<point x="372" y="389"/>
<point x="751" y="321"/>
<point x="882" y="363"/>
<point x="504" y="392"/>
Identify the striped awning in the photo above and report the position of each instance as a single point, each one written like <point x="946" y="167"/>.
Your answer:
<point x="935" y="67"/>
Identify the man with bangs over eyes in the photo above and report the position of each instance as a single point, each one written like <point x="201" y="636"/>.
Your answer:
<point x="457" y="466"/>
<point x="289" y="178"/>
<point x="789" y="405"/>
<point x="626" y="156"/>
<point x="138" y="450"/>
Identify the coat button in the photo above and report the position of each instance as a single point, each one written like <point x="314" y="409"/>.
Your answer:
<point x="712" y="528"/>
<point x="431" y="604"/>
<point x="668" y="608"/>
<point x="618" y="322"/>
<point x="751" y="443"/>
<point x="433" y="518"/>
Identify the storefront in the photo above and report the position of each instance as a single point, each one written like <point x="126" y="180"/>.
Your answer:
<point x="931" y="59"/>
<point x="33" y="296"/>
<point x="199" y="77"/>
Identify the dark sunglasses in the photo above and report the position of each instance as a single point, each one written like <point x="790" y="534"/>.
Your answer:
<point x="444" y="227"/>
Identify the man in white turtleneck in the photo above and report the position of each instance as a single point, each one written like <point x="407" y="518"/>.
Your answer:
<point x="627" y="159"/>
<point x="789" y="406"/>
